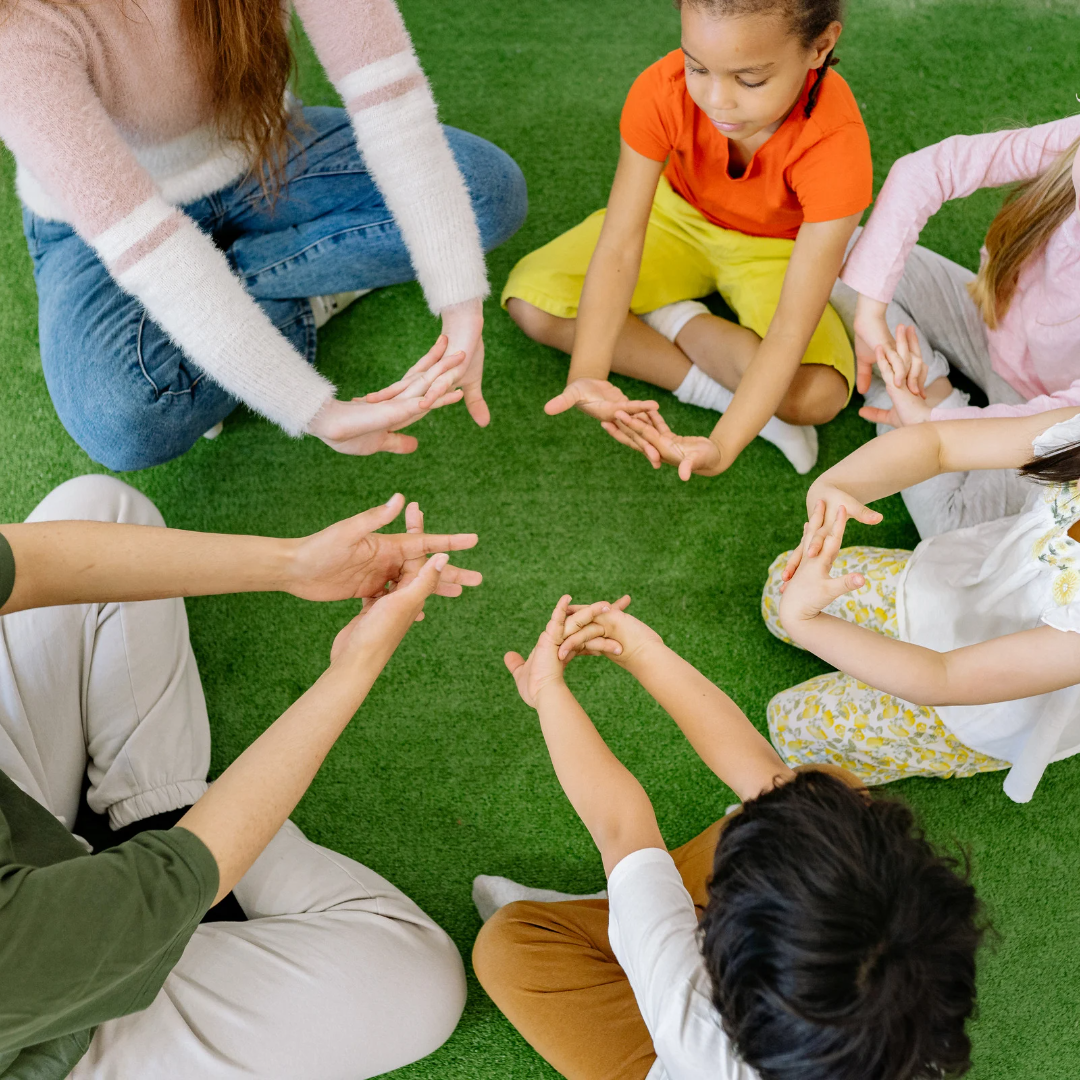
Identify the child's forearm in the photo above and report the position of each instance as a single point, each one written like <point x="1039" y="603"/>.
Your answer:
<point x="885" y="465"/>
<point x="605" y="301"/>
<point x="760" y="391"/>
<point x="79" y="562"/>
<point x="606" y="796"/>
<point x="714" y="725"/>
<point x="1020" y="665"/>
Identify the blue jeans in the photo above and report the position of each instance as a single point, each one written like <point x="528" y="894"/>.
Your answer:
<point x="126" y="394"/>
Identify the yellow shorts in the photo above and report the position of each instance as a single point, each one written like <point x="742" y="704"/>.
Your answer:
<point x="686" y="256"/>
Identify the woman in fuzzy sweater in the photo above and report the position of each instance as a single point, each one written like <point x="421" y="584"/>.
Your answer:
<point x="192" y="226"/>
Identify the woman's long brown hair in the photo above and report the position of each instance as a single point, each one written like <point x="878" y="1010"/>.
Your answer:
<point x="250" y="61"/>
<point x="1033" y="211"/>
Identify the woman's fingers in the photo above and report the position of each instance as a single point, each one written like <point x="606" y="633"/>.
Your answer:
<point x="443" y="377"/>
<point x="634" y="431"/>
<point x="639" y="406"/>
<point x="603" y="645"/>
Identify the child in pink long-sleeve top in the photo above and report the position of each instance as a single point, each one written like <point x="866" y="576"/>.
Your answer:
<point x="1014" y="329"/>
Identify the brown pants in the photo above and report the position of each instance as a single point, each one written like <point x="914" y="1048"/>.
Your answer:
<point x="550" y="969"/>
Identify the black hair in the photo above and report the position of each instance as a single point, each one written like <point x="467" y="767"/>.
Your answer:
<point x="1060" y="467"/>
<point x="840" y="944"/>
<point x="809" y="19"/>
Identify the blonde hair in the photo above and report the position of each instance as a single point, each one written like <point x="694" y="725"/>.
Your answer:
<point x="1033" y="211"/>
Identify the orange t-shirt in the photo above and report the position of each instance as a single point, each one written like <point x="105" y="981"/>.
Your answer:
<point x="814" y="168"/>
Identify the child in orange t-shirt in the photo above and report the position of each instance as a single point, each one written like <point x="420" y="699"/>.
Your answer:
<point x="767" y="174"/>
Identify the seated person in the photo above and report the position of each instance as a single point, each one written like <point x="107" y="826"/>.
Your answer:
<point x="956" y="658"/>
<point x="106" y="969"/>
<point x="812" y="934"/>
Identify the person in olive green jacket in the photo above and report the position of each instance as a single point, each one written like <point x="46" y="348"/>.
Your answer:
<point x="108" y="965"/>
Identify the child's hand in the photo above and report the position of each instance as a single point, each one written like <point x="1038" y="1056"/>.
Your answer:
<point x="623" y="636"/>
<point x="813" y="588"/>
<point x="904" y="373"/>
<point x="596" y="398"/>
<point x="651" y="436"/>
<point x="871" y="330"/>
<point x="827" y="501"/>
<point x="552" y="652"/>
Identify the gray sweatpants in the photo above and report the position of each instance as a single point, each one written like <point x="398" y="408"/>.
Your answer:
<point x="932" y="296"/>
<point x="337" y="975"/>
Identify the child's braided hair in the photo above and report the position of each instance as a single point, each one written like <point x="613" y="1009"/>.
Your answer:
<point x="809" y="19"/>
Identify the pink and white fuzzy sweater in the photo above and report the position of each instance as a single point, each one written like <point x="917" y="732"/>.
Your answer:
<point x="107" y="110"/>
<point x="1036" y="346"/>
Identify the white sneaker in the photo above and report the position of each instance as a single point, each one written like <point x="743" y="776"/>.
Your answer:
<point x="324" y="308"/>
<point x="215" y="431"/>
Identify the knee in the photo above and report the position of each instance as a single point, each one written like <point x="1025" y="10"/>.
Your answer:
<point x="496" y="186"/>
<point x="437" y="999"/>
<point x="493" y="955"/>
<point x="814" y="400"/>
<point x="537" y="324"/>
<point x="97" y="498"/>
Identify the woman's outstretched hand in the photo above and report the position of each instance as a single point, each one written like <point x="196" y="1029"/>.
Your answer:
<point x="597" y="398"/>
<point x="463" y="327"/>
<point x="904" y="373"/>
<point x="830" y="503"/>
<point x="813" y="588"/>
<point x="570" y="631"/>
<point x="350" y="560"/>
<point x="650" y="434"/>
<point x="370" y="425"/>
<point x="373" y="635"/>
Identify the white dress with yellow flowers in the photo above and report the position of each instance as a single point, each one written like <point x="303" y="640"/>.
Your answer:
<point x="956" y="589"/>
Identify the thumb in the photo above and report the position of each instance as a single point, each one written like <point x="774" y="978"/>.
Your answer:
<point x="513" y="662"/>
<point x="378" y="516"/>
<point x="838" y="586"/>
<point x="877" y="416"/>
<point x="477" y="406"/>
<point x="561" y="402"/>
<point x="866" y="515"/>
<point x="862" y="379"/>
<point x="395" y="443"/>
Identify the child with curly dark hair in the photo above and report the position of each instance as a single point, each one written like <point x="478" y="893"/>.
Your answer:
<point x="811" y="934"/>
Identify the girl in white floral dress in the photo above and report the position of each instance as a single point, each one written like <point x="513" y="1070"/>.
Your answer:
<point x="972" y="641"/>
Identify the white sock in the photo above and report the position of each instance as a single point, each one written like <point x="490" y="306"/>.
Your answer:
<point x="324" y="308"/>
<point x="215" y="431"/>
<point x="490" y="893"/>
<point x="671" y="318"/>
<point x="798" y="443"/>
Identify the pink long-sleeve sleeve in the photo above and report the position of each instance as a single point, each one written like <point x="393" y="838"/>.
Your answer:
<point x="58" y="128"/>
<point x="920" y="183"/>
<point x="369" y="57"/>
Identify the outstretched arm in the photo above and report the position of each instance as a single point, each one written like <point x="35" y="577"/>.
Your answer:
<point x="243" y="809"/>
<point x="1015" y="666"/>
<point x="608" y="290"/>
<point x="606" y="796"/>
<point x="714" y="725"/>
<point x="79" y="562"/>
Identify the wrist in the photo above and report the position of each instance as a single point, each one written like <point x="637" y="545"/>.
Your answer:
<point x="552" y="687"/>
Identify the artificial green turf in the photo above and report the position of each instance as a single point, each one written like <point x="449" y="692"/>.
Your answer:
<point x="444" y="774"/>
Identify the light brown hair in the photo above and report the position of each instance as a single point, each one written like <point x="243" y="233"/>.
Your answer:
<point x="1033" y="211"/>
<point x="250" y="61"/>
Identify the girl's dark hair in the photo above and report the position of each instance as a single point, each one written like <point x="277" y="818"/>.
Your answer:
<point x="809" y="19"/>
<point x="840" y="945"/>
<point x="1061" y="467"/>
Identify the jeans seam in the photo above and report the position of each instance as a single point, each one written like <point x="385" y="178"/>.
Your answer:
<point x="158" y="392"/>
<point x="322" y="240"/>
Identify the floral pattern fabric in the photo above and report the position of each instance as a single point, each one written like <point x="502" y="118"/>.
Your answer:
<point x="838" y="720"/>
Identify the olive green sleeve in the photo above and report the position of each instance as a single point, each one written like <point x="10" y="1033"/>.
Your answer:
<point x="7" y="570"/>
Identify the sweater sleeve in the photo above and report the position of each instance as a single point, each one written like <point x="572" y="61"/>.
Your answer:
<point x="920" y="183"/>
<point x="56" y="125"/>
<point x="1061" y="399"/>
<point x="370" y="59"/>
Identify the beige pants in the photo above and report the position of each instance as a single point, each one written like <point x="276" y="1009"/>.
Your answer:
<point x="337" y="974"/>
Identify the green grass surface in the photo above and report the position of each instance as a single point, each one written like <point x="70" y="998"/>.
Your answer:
<point x="444" y="774"/>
